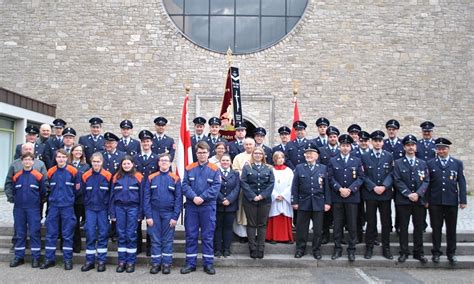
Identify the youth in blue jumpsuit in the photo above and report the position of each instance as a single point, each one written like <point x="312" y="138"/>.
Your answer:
<point x="163" y="200"/>
<point x="96" y="192"/>
<point x="28" y="191"/>
<point x="201" y="184"/>
<point x="64" y="184"/>
<point x="126" y="209"/>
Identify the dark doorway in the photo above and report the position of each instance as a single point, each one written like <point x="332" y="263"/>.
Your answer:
<point x="250" y="128"/>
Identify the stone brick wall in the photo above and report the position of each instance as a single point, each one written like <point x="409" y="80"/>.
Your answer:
<point x="357" y="61"/>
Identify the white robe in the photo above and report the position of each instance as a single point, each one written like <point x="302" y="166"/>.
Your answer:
<point x="283" y="181"/>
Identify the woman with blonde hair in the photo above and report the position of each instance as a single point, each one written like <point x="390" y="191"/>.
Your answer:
<point x="257" y="181"/>
<point x="279" y="228"/>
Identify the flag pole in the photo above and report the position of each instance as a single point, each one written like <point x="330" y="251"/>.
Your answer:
<point x="296" y="115"/>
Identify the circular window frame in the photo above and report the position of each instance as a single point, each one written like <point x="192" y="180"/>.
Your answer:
<point x="194" y="42"/>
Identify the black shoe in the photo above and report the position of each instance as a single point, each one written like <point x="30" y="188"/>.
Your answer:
<point x="299" y="254"/>
<point x="343" y="242"/>
<point x="101" y="267"/>
<point x="351" y="257"/>
<point x="402" y="258"/>
<point x="273" y="242"/>
<point x="421" y="258"/>
<point x="12" y="249"/>
<point x="47" y="264"/>
<point x="324" y="239"/>
<point x="35" y="263"/>
<point x="253" y="254"/>
<point x="68" y="265"/>
<point x="243" y="240"/>
<point x="435" y="258"/>
<point x="209" y="269"/>
<point x="337" y="254"/>
<point x="387" y="254"/>
<point x="120" y="268"/>
<point x="217" y="254"/>
<point x="166" y="269"/>
<point x="226" y="253"/>
<point x="88" y="266"/>
<point x="187" y="269"/>
<point x="155" y="268"/>
<point x="376" y="243"/>
<point x="453" y="260"/>
<point x="113" y="239"/>
<point x="317" y="254"/>
<point x="260" y="254"/>
<point x="76" y="250"/>
<point x="16" y="262"/>
<point x="130" y="268"/>
<point x="368" y="253"/>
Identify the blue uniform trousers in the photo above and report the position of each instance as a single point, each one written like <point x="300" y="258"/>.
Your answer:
<point x="96" y="229"/>
<point x="161" y="236"/>
<point x="31" y="218"/>
<point x="204" y="218"/>
<point x="66" y="216"/>
<point x="127" y="217"/>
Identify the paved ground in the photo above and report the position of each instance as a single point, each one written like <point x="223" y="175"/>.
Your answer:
<point x="241" y="275"/>
<point x="465" y="217"/>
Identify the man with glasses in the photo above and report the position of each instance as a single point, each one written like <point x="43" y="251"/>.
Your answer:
<point x="201" y="184"/>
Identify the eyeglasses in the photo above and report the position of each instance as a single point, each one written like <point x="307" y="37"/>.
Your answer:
<point x="201" y="153"/>
<point x="165" y="161"/>
<point x="257" y="153"/>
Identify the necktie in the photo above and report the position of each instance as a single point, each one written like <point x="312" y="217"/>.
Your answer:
<point x="145" y="158"/>
<point x="225" y="173"/>
<point x="426" y="144"/>
<point x="311" y="167"/>
<point x="214" y="140"/>
<point x="324" y="141"/>
<point x="333" y="150"/>
<point x="198" y="138"/>
<point x="283" y="147"/>
<point x="159" y="138"/>
<point x="126" y="142"/>
<point x="412" y="162"/>
<point x="76" y="164"/>
<point x="392" y="143"/>
<point x="68" y="150"/>
<point x="377" y="155"/>
<point x="443" y="162"/>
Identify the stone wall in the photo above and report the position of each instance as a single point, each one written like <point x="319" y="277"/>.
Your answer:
<point x="357" y="61"/>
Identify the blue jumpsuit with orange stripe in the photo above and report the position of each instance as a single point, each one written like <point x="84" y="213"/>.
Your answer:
<point x="163" y="200"/>
<point x="126" y="207"/>
<point x="200" y="181"/>
<point x="28" y="191"/>
<point x="96" y="192"/>
<point x="65" y="185"/>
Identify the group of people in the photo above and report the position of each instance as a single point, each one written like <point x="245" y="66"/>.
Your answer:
<point x="110" y="185"/>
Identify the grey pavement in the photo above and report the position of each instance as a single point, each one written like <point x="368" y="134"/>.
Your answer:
<point x="239" y="275"/>
<point x="465" y="216"/>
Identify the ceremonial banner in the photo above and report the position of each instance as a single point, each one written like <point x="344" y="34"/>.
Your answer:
<point x="231" y="107"/>
<point x="184" y="155"/>
<point x="296" y="116"/>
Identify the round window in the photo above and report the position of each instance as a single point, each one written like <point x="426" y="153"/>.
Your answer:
<point x="243" y="25"/>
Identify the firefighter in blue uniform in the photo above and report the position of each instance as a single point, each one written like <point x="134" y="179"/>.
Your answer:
<point x="146" y="163"/>
<point x="65" y="184"/>
<point x="161" y="142"/>
<point x="364" y="144"/>
<point x="163" y="200"/>
<point x="31" y="136"/>
<point x="126" y="207"/>
<point x="322" y="140"/>
<point x="310" y="195"/>
<point x="29" y="188"/>
<point x="284" y="132"/>
<point x="112" y="156"/>
<point x="201" y="185"/>
<point x="393" y="144"/>
<point x="426" y="148"/>
<point x="346" y="177"/>
<point x="295" y="149"/>
<point x="96" y="192"/>
<point x="411" y="179"/>
<point x="377" y="193"/>
<point x="127" y="144"/>
<point x="237" y="146"/>
<point x="93" y="142"/>
<point x="259" y="136"/>
<point x="331" y="149"/>
<point x="446" y="191"/>
<point x="199" y="124"/>
<point x="214" y="136"/>
<point x="354" y="131"/>
<point x="54" y="142"/>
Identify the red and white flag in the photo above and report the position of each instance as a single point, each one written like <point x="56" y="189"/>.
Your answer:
<point x="184" y="155"/>
<point x="296" y="116"/>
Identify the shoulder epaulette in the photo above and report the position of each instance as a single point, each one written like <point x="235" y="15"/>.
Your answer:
<point x="106" y="174"/>
<point x="214" y="167"/>
<point x="52" y="171"/>
<point x="86" y="175"/>
<point x="15" y="177"/>
<point x="192" y="166"/>
<point x="38" y="176"/>
<point x="71" y="169"/>
<point x="174" y="176"/>
<point x="139" y="177"/>
<point x="153" y="175"/>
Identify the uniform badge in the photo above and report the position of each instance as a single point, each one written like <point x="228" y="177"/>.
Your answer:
<point x="354" y="173"/>
<point x="421" y="174"/>
<point x="320" y="180"/>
